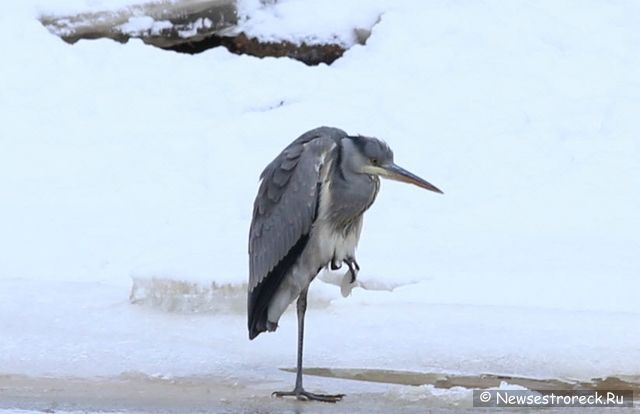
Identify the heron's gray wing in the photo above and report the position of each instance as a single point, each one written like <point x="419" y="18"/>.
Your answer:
<point x="283" y="214"/>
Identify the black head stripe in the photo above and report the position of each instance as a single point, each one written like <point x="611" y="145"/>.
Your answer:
<point x="368" y="145"/>
<point x="359" y="142"/>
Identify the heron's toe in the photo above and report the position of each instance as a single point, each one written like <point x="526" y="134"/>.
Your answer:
<point x="303" y="395"/>
<point x="331" y="398"/>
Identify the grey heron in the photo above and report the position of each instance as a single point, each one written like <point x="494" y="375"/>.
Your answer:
<point x="308" y="216"/>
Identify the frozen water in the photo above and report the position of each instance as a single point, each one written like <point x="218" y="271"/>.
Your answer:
<point x="125" y="163"/>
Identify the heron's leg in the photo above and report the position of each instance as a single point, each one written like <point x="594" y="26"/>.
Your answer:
<point x="353" y="267"/>
<point x="302" y="309"/>
<point x="299" y="391"/>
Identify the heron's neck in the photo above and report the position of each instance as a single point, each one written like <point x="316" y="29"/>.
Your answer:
<point x="351" y="194"/>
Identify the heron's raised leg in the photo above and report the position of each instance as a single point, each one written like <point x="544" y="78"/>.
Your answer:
<point x="299" y="391"/>
<point x="353" y="267"/>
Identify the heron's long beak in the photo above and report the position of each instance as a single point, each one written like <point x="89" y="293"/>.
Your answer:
<point x="394" y="172"/>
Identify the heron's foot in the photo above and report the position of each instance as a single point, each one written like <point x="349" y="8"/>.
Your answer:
<point x="303" y="395"/>
<point x="354" y="268"/>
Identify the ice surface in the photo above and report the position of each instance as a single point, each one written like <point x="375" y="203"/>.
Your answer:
<point x="86" y="344"/>
<point x="55" y="328"/>
<point x="121" y="161"/>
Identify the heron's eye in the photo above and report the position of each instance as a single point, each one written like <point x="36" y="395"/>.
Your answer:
<point x="374" y="161"/>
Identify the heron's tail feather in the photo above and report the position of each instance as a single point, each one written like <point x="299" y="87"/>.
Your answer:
<point x="262" y="326"/>
<point x="260" y="297"/>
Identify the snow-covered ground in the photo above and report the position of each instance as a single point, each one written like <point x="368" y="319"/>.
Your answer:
<point x="121" y="161"/>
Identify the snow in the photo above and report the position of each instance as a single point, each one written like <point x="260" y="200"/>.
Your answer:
<point x="311" y="22"/>
<point x="125" y="162"/>
<point x="141" y="24"/>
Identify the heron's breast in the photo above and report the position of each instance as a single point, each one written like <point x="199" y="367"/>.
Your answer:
<point x="334" y="243"/>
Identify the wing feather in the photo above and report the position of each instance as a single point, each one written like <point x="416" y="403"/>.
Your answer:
<point x="284" y="212"/>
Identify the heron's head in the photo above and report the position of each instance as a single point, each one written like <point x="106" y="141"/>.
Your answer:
<point x="374" y="157"/>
